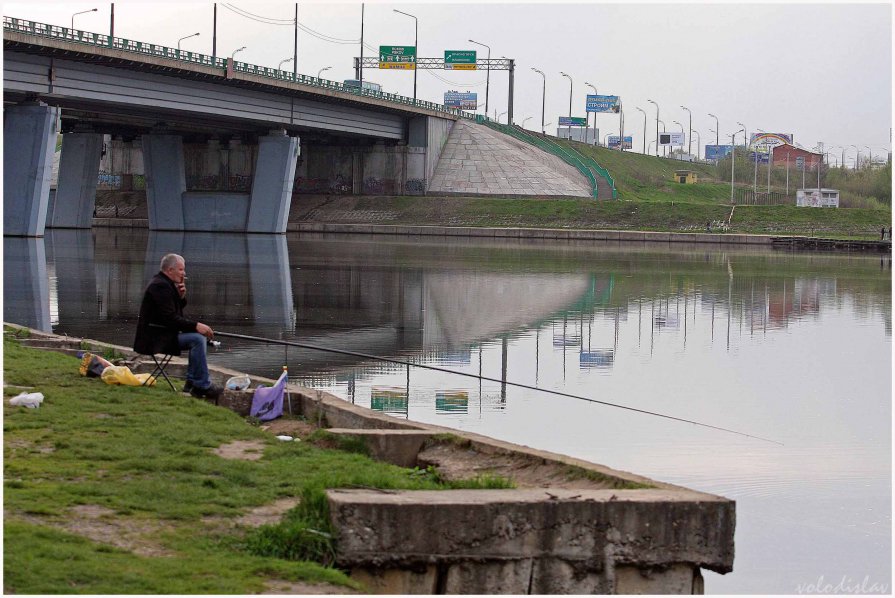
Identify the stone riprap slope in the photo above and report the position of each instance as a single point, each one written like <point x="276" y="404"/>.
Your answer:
<point x="477" y="160"/>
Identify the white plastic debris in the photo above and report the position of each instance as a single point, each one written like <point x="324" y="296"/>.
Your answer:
<point x="32" y="400"/>
<point x="285" y="438"/>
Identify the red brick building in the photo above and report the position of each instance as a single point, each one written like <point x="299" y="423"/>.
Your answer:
<point x="785" y="152"/>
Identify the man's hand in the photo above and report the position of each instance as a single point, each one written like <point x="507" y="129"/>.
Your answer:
<point x="181" y="289"/>
<point x="204" y="330"/>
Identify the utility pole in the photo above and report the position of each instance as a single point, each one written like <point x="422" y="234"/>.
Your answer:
<point x="733" y="153"/>
<point x="214" y="33"/>
<point x="295" y="48"/>
<point x="360" y="71"/>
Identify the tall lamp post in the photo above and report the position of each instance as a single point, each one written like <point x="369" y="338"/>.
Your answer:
<point x="842" y="156"/>
<point x="657" y="126"/>
<point x="320" y="72"/>
<point x="543" y="97"/>
<point x="857" y="156"/>
<point x="234" y="53"/>
<point x="733" y="153"/>
<point x="284" y="61"/>
<point x="524" y="120"/>
<point x="870" y="155"/>
<point x="698" y="142"/>
<point x="644" y="128"/>
<point x="745" y="134"/>
<point x="587" y="115"/>
<point x="183" y="38"/>
<point x="80" y="13"/>
<point x="717" y="128"/>
<point x="682" y="132"/>
<point x="664" y="148"/>
<point x="488" y="76"/>
<point x="570" y="102"/>
<point x="416" y="46"/>
<point x="689" y="144"/>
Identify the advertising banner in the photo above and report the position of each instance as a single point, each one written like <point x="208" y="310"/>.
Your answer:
<point x="459" y="60"/>
<point x="760" y="157"/>
<point x="770" y="139"/>
<point x="602" y="103"/>
<point x="463" y="101"/>
<point x="572" y="121"/>
<point x="397" y="57"/>
<point x="671" y="138"/>
<point x="613" y="142"/>
<point x="716" y="152"/>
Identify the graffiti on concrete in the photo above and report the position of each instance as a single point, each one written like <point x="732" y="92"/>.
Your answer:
<point x="108" y="181"/>
<point x="415" y="186"/>
<point x="372" y="185"/>
<point x="336" y="186"/>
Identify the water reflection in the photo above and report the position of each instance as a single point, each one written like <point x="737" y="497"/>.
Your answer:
<point x="796" y="347"/>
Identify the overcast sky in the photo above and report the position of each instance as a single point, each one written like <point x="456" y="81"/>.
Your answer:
<point x="822" y="72"/>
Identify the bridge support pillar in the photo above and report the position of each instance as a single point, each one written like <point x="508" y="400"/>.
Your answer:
<point x="272" y="185"/>
<point x="72" y="206"/>
<point x="165" y="181"/>
<point x="29" y="141"/>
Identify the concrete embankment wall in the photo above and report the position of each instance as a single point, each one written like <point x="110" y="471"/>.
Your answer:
<point x="616" y="532"/>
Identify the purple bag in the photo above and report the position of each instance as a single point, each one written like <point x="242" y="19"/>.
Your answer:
<point x="267" y="404"/>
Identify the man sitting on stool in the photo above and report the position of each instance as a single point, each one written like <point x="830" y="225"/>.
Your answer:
<point x="161" y="327"/>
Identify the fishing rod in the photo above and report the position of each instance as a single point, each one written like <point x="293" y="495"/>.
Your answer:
<point x="479" y="377"/>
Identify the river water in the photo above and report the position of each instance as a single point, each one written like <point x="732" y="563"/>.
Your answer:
<point x="791" y="347"/>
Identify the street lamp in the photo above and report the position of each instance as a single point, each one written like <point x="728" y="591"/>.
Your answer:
<point x="733" y="153"/>
<point x="543" y="97"/>
<point x="183" y="38"/>
<point x="857" y="156"/>
<point x="664" y="148"/>
<point x="644" y="128"/>
<point x="657" y="126"/>
<point x="416" y="47"/>
<point x="284" y="61"/>
<point x="717" y="128"/>
<point x="680" y="125"/>
<point x="570" y="102"/>
<point x="320" y="72"/>
<point x="79" y="13"/>
<point x="523" y="121"/>
<point x="501" y="114"/>
<point x="587" y="114"/>
<point x="869" y="153"/>
<point x="745" y="135"/>
<point x="842" y="157"/>
<point x="488" y="76"/>
<point x="689" y="145"/>
<point x="234" y="53"/>
<point x="698" y="141"/>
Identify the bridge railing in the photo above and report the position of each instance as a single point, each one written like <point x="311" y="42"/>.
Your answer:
<point x="100" y="40"/>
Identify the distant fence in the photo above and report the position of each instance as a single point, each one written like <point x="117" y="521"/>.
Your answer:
<point x="747" y="197"/>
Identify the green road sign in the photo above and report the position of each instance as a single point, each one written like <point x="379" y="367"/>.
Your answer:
<point x="459" y="60"/>
<point x="397" y="57"/>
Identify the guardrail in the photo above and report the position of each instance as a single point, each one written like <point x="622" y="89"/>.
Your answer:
<point x="99" y="40"/>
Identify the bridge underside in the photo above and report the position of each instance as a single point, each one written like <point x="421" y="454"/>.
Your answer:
<point x="45" y="94"/>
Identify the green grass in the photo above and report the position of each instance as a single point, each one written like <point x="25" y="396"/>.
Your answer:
<point x="146" y="455"/>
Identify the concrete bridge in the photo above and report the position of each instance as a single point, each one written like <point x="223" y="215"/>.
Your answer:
<point x="85" y="84"/>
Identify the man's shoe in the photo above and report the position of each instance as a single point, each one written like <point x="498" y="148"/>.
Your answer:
<point x="188" y="386"/>
<point x="212" y="392"/>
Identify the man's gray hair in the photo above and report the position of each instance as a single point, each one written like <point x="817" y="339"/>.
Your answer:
<point x="169" y="261"/>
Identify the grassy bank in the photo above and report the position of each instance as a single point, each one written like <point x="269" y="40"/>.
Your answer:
<point x="683" y="215"/>
<point x="119" y="490"/>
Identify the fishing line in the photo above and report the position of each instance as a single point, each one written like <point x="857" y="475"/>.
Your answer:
<point x="480" y="377"/>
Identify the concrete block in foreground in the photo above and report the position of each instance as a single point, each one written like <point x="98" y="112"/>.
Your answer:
<point x="538" y="540"/>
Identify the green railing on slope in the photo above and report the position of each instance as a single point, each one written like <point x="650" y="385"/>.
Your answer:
<point x="586" y="165"/>
<point x="100" y="40"/>
<point x="599" y="170"/>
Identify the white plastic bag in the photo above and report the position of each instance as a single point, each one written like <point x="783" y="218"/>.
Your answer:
<point x="238" y="382"/>
<point x="32" y="400"/>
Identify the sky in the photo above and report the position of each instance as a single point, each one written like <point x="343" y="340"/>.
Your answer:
<point x="821" y="72"/>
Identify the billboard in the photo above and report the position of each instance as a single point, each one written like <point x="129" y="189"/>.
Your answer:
<point x="671" y="138"/>
<point x="770" y="139"/>
<point x="716" y="152"/>
<point x="461" y="100"/>
<point x="627" y="144"/>
<point x="572" y="121"/>
<point x="597" y="103"/>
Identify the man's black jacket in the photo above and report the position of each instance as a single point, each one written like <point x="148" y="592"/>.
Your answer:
<point x="161" y="318"/>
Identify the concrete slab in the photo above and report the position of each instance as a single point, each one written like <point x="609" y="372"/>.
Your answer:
<point x="398" y="447"/>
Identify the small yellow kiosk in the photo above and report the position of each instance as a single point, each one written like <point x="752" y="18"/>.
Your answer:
<point x="688" y="177"/>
